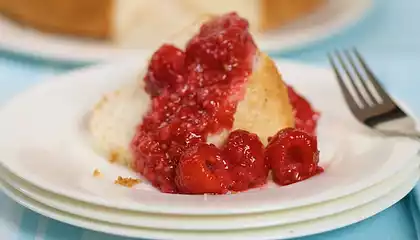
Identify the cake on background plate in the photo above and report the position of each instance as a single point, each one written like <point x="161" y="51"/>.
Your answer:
<point x="145" y="23"/>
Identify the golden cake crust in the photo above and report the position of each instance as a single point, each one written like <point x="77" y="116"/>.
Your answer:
<point x="265" y="108"/>
<point x="89" y="18"/>
<point x="275" y="13"/>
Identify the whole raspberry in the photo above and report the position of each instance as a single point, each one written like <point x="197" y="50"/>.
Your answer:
<point x="202" y="169"/>
<point x="293" y="156"/>
<point x="165" y="71"/>
<point x="245" y="153"/>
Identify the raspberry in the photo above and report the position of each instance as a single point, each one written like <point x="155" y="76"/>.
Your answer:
<point x="166" y="69"/>
<point x="293" y="156"/>
<point x="202" y="169"/>
<point x="246" y="157"/>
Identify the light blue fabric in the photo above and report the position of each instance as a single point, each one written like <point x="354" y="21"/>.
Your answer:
<point x="389" y="38"/>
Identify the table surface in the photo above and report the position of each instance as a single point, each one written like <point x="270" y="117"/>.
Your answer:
<point x="389" y="37"/>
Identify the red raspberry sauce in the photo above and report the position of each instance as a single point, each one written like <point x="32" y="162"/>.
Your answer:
<point x="194" y="94"/>
<point x="306" y="118"/>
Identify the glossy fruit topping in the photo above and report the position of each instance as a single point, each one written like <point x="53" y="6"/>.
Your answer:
<point x="203" y="169"/>
<point x="246" y="157"/>
<point x="306" y="118"/>
<point x="165" y="71"/>
<point x="194" y="93"/>
<point x="293" y="156"/>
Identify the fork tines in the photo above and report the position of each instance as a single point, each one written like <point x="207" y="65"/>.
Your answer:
<point x="361" y="87"/>
<point x="365" y="97"/>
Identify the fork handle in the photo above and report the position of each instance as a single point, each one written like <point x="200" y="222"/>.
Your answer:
<point x="394" y="133"/>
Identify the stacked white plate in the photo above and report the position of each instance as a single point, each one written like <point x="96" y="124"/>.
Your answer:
<point x="47" y="165"/>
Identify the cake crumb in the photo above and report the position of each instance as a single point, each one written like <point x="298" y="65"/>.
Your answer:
<point x="101" y="102"/>
<point x="113" y="158"/>
<point x="97" y="173"/>
<point x="127" y="182"/>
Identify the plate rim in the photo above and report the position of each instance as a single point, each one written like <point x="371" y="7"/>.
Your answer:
<point x="319" y="33"/>
<point x="35" y="193"/>
<point x="373" y="208"/>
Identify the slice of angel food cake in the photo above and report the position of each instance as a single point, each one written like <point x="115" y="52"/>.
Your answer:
<point x="213" y="118"/>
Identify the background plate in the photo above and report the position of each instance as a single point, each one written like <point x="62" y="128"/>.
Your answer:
<point x="334" y="17"/>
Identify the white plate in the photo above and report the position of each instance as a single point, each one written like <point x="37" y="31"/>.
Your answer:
<point x="275" y="232"/>
<point x="221" y="222"/>
<point x="51" y="149"/>
<point x="335" y="16"/>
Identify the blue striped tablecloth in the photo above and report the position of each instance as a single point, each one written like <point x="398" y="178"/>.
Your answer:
<point x="390" y="39"/>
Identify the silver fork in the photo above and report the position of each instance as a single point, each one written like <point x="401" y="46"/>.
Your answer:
<point x="364" y="95"/>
